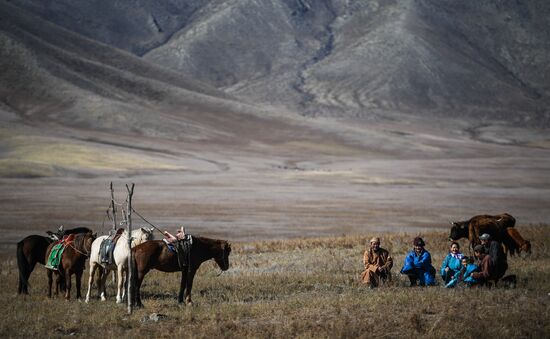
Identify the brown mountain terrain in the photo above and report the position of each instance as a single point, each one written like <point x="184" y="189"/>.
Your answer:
<point x="250" y="119"/>
<point x="483" y="61"/>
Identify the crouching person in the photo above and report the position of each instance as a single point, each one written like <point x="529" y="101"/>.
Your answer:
<point x="418" y="265"/>
<point x="378" y="264"/>
<point x="487" y="268"/>
<point x="464" y="276"/>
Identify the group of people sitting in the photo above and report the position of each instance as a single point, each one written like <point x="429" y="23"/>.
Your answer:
<point x="488" y="265"/>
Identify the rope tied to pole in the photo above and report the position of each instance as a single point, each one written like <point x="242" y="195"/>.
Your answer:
<point x="147" y="221"/>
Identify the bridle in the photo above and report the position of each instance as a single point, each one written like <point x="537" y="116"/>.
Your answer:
<point x="81" y="239"/>
<point x="222" y="258"/>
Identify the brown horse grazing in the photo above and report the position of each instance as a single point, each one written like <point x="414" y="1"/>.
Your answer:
<point x="32" y="250"/>
<point x="156" y="255"/>
<point x="72" y="262"/>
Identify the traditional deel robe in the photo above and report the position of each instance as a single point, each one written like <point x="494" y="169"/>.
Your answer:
<point x="453" y="262"/>
<point x="373" y="260"/>
<point x="487" y="270"/>
<point x="419" y="268"/>
<point x="498" y="259"/>
<point x="464" y="276"/>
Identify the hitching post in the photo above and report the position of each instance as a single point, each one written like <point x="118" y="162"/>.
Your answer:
<point x="113" y="208"/>
<point x="131" y="256"/>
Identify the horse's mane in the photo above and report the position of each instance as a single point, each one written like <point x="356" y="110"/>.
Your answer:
<point x="79" y="240"/>
<point x="210" y="242"/>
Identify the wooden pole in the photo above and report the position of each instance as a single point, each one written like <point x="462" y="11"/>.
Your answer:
<point x="115" y="226"/>
<point x="113" y="207"/>
<point x="131" y="256"/>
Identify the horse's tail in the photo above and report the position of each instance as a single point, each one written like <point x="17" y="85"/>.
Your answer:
<point x="24" y="270"/>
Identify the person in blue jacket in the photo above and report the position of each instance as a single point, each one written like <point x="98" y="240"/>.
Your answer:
<point x="464" y="276"/>
<point x="452" y="263"/>
<point x="418" y="265"/>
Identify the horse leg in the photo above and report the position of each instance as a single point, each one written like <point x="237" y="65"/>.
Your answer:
<point x="189" y="286"/>
<point x="59" y="278"/>
<point x="93" y="267"/>
<point x="104" y="273"/>
<point x="120" y="293"/>
<point x="78" y="279"/>
<point x="100" y="272"/>
<point x="137" y="289"/>
<point x="68" y="284"/>
<point x="26" y="266"/>
<point x="50" y="281"/>
<point x="183" y="284"/>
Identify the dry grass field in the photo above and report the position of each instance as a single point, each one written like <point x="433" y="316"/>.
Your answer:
<point x="297" y="288"/>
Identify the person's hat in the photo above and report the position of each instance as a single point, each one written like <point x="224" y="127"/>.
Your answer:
<point x="479" y="248"/>
<point x="484" y="236"/>
<point x="418" y="241"/>
<point x="375" y="239"/>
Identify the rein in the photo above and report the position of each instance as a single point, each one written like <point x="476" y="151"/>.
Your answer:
<point x="81" y="239"/>
<point x="139" y="215"/>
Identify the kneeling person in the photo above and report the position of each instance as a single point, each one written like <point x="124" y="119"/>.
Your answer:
<point x="487" y="268"/>
<point x="378" y="264"/>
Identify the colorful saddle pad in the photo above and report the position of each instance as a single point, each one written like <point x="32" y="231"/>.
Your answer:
<point x="55" y="256"/>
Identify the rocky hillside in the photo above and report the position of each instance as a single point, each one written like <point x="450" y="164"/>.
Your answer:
<point x="486" y="61"/>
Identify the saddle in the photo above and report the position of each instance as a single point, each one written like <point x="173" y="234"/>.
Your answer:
<point x="107" y="247"/>
<point x="54" y="259"/>
<point x="183" y="251"/>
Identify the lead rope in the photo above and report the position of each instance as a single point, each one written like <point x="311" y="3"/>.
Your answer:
<point x="147" y="221"/>
<point x="81" y="239"/>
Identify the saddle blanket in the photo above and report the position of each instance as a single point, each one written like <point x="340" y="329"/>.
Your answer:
<point x="55" y="256"/>
<point x="107" y="247"/>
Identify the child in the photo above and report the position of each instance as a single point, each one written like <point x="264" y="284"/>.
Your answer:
<point x="464" y="275"/>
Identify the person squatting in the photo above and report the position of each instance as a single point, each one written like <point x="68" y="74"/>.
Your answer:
<point x="488" y="265"/>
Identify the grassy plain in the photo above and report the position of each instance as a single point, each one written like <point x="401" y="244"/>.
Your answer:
<point x="297" y="288"/>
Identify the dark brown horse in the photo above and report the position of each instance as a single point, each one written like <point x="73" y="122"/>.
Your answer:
<point x="32" y="250"/>
<point x="72" y="262"/>
<point x="156" y="255"/>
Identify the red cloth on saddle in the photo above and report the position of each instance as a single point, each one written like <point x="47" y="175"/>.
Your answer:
<point x="66" y="240"/>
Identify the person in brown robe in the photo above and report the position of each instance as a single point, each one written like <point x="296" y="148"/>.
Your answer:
<point x="378" y="264"/>
<point x="487" y="268"/>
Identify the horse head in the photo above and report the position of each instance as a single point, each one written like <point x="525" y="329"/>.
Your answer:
<point x="147" y="234"/>
<point x="526" y="248"/>
<point x="222" y="257"/>
<point x="86" y="241"/>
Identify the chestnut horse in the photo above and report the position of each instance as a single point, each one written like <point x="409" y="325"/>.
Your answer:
<point x="73" y="260"/>
<point x="32" y="250"/>
<point x="156" y="255"/>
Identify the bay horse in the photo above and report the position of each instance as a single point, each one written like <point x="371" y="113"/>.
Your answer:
<point x="73" y="260"/>
<point x="32" y="250"/>
<point x="156" y="255"/>
<point x="120" y="259"/>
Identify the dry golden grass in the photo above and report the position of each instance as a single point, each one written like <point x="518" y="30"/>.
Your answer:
<point x="298" y="288"/>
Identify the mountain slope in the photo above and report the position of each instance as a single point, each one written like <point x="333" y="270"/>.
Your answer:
<point x="424" y="56"/>
<point x="55" y="75"/>
<point x="478" y="61"/>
